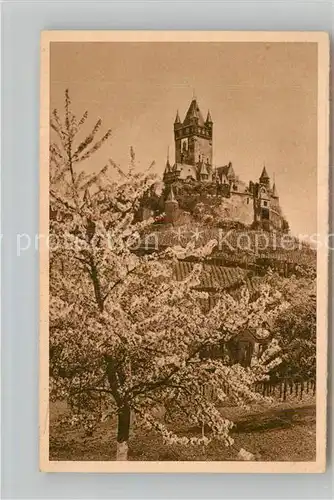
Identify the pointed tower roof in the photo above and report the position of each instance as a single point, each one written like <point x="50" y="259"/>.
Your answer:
<point x="264" y="176"/>
<point x="208" y="118"/>
<point x="171" y="197"/>
<point x="230" y="171"/>
<point x="168" y="167"/>
<point x="194" y="113"/>
<point x="167" y="161"/>
<point x="177" y="118"/>
<point x="275" y="190"/>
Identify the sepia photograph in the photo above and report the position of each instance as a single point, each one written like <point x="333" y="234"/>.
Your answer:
<point x="183" y="254"/>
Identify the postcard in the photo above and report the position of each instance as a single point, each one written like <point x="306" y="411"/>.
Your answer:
<point x="183" y="251"/>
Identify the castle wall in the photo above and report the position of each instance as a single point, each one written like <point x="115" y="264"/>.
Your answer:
<point x="275" y="218"/>
<point x="238" y="207"/>
<point x="187" y="171"/>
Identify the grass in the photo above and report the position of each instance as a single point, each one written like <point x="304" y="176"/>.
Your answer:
<point x="285" y="432"/>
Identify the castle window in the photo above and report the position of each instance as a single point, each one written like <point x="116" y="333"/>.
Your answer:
<point x="265" y="214"/>
<point x="265" y="203"/>
<point x="247" y="201"/>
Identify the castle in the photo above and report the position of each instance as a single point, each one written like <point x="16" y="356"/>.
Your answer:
<point x="194" y="163"/>
<point x="193" y="181"/>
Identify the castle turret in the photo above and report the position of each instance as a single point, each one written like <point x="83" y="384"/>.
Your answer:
<point x="168" y="169"/>
<point x="274" y="191"/>
<point x="230" y="174"/>
<point x="203" y="172"/>
<point x="264" y="178"/>
<point x="177" y="121"/>
<point x="171" y="207"/>
<point x="208" y="118"/>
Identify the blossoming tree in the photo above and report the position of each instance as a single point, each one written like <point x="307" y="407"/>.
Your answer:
<point x="126" y="338"/>
<point x="296" y="330"/>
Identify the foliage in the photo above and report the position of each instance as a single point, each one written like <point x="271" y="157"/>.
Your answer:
<point x="125" y="337"/>
<point x="296" y="328"/>
<point x="194" y="196"/>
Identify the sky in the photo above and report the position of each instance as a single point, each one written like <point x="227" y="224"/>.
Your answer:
<point x="262" y="98"/>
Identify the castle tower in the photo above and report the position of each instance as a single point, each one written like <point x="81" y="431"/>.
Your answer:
<point x="168" y="172"/>
<point x="171" y="207"/>
<point x="264" y="178"/>
<point x="193" y="137"/>
<point x="203" y="172"/>
<point x="274" y="191"/>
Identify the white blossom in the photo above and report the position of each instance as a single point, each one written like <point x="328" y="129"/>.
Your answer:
<point x="125" y="335"/>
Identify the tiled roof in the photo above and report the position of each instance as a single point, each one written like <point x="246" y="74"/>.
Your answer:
<point x="217" y="278"/>
<point x="242" y="245"/>
<point x="294" y="257"/>
<point x="213" y="277"/>
<point x="225" y="170"/>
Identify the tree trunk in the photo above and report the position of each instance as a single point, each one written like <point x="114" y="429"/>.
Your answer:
<point x="123" y="431"/>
